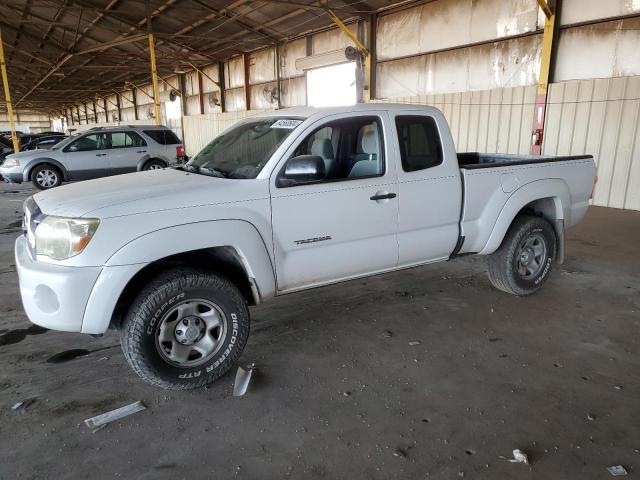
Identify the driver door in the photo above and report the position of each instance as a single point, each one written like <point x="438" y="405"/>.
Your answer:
<point x="86" y="157"/>
<point x="344" y="226"/>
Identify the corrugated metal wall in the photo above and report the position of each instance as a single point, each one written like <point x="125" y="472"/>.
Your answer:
<point x="201" y="129"/>
<point x="497" y="120"/>
<point x="599" y="117"/>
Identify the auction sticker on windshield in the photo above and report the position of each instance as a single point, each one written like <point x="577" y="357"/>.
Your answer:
<point x="287" y="123"/>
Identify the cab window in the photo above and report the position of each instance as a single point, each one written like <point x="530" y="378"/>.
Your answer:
<point x="350" y="148"/>
<point x="95" y="141"/>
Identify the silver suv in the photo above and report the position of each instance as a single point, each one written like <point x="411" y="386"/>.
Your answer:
<point x="98" y="152"/>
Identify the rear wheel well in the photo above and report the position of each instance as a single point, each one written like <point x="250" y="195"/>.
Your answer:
<point x="549" y="209"/>
<point x="154" y="159"/>
<point x="222" y="260"/>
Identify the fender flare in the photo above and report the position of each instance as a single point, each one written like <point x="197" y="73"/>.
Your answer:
<point x="39" y="161"/>
<point x="132" y="257"/>
<point x="555" y="189"/>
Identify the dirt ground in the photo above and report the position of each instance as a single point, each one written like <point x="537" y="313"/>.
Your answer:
<point x="428" y="373"/>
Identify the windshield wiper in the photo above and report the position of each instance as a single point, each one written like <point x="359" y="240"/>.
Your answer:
<point x="212" y="172"/>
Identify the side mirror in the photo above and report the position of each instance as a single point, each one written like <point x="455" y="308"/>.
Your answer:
<point x="302" y="169"/>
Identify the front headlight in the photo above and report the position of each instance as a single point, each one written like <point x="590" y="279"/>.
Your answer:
<point x="10" y="162"/>
<point x="61" y="238"/>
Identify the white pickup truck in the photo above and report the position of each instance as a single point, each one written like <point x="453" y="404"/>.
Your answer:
<point x="283" y="202"/>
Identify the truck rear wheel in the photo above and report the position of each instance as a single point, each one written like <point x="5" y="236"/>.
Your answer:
<point x="523" y="262"/>
<point x="185" y="329"/>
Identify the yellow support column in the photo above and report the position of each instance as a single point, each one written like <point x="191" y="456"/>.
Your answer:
<point x="7" y="97"/>
<point x="154" y="76"/>
<point x="365" y="52"/>
<point x="545" y="72"/>
<point x="545" y="58"/>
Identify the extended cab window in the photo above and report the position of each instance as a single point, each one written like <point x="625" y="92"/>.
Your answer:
<point x="419" y="140"/>
<point x="124" y="140"/>
<point x="350" y="148"/>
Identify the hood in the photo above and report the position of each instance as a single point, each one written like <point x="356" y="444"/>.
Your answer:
<point x="145" y="192"/>
<point x="25" y="155"/>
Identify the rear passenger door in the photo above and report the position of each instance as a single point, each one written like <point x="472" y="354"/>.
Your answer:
<point x="430" y="190"/>
<point x="126" y="149"/>
<point x="86" y="157"/>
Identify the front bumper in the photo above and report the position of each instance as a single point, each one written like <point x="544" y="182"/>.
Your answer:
<point x="53" y="296"/>
<point x="11" y="174"/>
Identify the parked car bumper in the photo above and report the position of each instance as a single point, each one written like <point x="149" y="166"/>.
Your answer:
<point x="53" y="296"/>
<point x="11" y="174"/>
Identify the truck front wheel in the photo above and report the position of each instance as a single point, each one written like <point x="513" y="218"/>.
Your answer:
<point x="523" y="262"/>
<point x="185" y="329"/>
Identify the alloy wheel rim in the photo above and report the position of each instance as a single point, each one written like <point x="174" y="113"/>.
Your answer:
<point x="531" y="256"/>
<point x="191" y="332"/>
<point x="154" y="166"/>
<point x="46" y="178"/>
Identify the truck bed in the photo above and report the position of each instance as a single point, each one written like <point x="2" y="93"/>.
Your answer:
<point x="473" y="160"/>
<point x="496" y="184"/>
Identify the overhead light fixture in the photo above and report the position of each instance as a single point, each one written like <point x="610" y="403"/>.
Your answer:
<point x="179" y="70"/>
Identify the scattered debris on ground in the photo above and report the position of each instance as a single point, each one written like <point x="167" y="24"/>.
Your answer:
<point x="414" y="343"/>
<point x="23" y="404"/>
<point x="387" y="334"/>
<point x="400" y="453"/>
<point x="113" y="415"/>
<point x="617" y="470"/>
<point x="243" y="377"/>
<point x="519" y="457"/>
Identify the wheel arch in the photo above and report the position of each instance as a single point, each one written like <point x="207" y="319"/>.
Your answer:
<point x="223" y="260"/>
<point x="549" y="199"/>
<point x="233" y="248"/>
<point x="149" y="158"/>
<point x="44" y="161"/>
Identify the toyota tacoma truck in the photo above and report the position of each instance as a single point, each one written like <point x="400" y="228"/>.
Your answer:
<point x="283" y="202"/>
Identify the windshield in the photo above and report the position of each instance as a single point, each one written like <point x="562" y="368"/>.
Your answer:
<point x="243" y="151"/>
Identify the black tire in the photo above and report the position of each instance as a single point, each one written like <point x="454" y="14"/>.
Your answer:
<point x="46" y="176"/>
<point x="154" y="164"/>
<point x="141" y="332"/>
<point x="516" y="255"/>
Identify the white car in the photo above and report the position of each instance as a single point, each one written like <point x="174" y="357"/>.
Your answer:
<point x="283" y="202"/>
<point x="98" y="152"/>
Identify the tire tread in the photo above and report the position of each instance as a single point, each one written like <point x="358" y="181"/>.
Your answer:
<point x="143" y="306"/>
<point x="499" y="262"/>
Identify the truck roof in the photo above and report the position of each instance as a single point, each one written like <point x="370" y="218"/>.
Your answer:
<point x="306" y="112"/>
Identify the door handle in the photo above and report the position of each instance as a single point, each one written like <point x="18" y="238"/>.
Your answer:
<point x="383" y="196"/>
<point x="141" y="151"/>
<point x="101" y="154"/>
